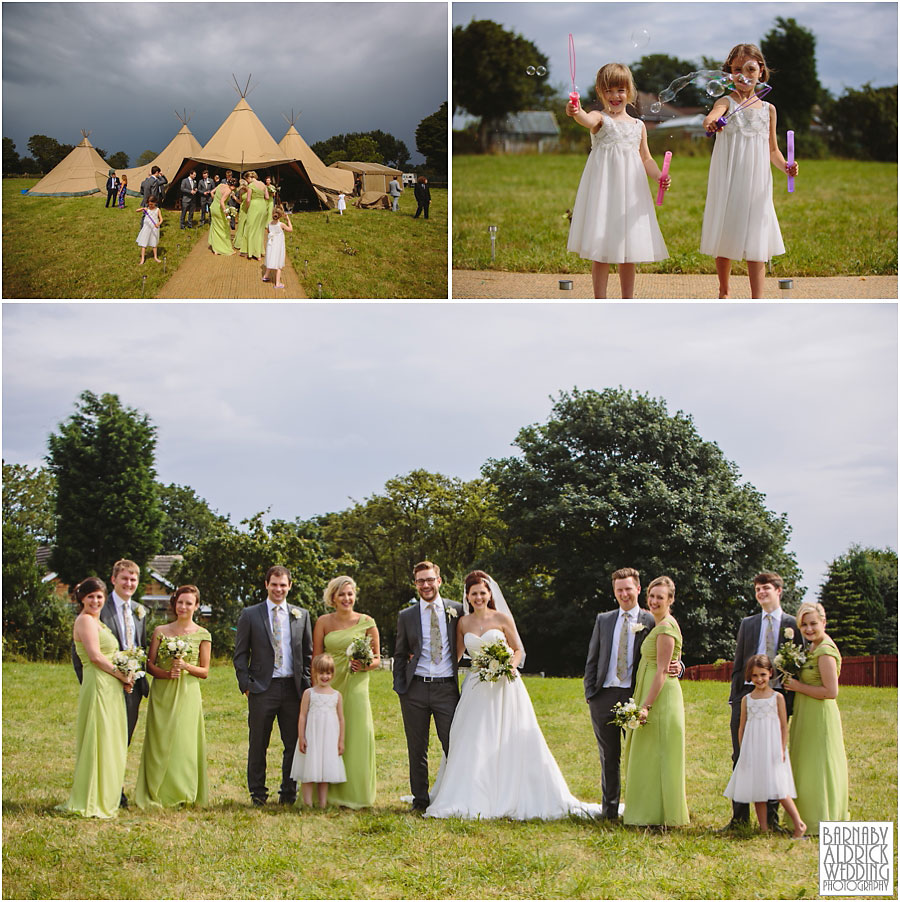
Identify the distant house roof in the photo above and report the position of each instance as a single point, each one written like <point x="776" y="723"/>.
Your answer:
<point x="529" y="122"/>
<point x="158" y="566"/>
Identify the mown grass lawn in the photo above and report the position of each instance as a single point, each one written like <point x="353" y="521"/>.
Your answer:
<point x="231" y="850"/>
<point x="840" y="220"/>
<point x="73" y="247"/>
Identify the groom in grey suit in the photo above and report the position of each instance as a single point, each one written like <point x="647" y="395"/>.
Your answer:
<point x="272" y="655"/>
<point x="425" y="673"/>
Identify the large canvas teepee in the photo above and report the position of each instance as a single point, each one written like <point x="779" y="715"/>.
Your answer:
<point x="242" y="143"/>
<point x="81" y="172"/>
<point x="184" y="146"/>
<point x="328" y="183"/>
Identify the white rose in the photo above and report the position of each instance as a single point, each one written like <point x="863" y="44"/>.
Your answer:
<point x="788" y="633"/>
<point x="494" y="666"/>
<point x="633" y="724"/>
<point x="636" y="627"/>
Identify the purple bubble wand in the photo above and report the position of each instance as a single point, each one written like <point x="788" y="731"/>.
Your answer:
<point x="722" y="121"/>
<point x="790" y="160"/>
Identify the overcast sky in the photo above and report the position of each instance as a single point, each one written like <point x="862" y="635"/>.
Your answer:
<point x="300" y="408"/>
<point x="855" y="42"/>
<point x="120" y="70"/>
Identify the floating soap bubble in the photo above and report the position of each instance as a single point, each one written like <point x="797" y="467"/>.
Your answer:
<point x="640" y="37"/>
<point x="530" y="70"/>
<point x="655" y="107"/>
<point x="715" y="89"/>
<point x="540" y="70"/>
<point x="666" y="95"/>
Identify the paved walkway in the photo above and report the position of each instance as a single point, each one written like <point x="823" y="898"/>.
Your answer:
<point x="204" y="274"/>
<point x="489" y="284"/>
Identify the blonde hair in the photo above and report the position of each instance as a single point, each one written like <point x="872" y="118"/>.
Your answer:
<point x="335" y="586"/>
<point x="663" y="581"/>
<point x="615" y="75"/>
<point x="809" y="607"/>
<point x="751" y="51"/>
<point x="125" y="564"/>
<point x="323" y="663"/>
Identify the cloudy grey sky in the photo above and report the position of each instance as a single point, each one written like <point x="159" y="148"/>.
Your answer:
<point x="855" y="42"/>
<point x="120" y="70"/>
<point x="300" y="408"/>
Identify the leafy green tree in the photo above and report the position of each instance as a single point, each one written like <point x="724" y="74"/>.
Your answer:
<point x="364" y="149"/>
<point x="419" y="516"/>
<point x="119" y="160"/>
<point x="790" y="52"/>
<point x="28" y="497"/>
<point x="862" y="123"/>
<point x="393" y="151"/>
<point x="229" y="567"/>
<point x="11" y="160"/>
<point x="489" y="77"/>
<point x="148" y="156"/>
<point x="884" y="563"/>
<point x="854" y="597"/>
<point x="48" y="151"/>
<point x="656" y="71"/>
<point x="30" y="165"/>
<point x="336" y="156"/>
<point x="613" y="480"/>
<point x="187" y="518"/>
<point x="431" y="139"/>
<point x="106" y="499"/>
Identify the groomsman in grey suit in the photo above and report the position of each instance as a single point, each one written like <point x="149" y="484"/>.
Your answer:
<point x="425" y="673"/>
<point x="206" y="186"/>
<point x="128" y="622"/>
<point x="272" y="655"/>
<point x="188" y="199"/>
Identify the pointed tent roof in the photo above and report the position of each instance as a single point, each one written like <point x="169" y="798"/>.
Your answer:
<point x="242" y="143"/>
<point x="182" y="147"/>
<point x="82" y="171"/>
<point x="323" y="179"/>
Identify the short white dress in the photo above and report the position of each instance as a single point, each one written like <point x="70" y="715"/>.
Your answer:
<point x="149" y="233"/>
<point x="739" y="220"/>
<point x="614" y="218"/>
<point x="275" y="246"/>
<point x="760" y="774"/>
<point x="321" y="763"/>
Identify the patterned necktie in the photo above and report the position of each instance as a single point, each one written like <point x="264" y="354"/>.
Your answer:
<point x="770" y="636"/>
<point x="622" y="655"/>
<point x="436" y="643"/>
<point x="129" y="625"/>
<point x="276" y="636"/>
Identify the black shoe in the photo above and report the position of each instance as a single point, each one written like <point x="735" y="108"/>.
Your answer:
<point x="780" y="828"/>
<point x="733" y="826"/>
<point x="123" y="802"/>
<point x="287" y="800"/>
<point x="258" y="801"/>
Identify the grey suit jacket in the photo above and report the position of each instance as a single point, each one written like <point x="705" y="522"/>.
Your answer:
<point x="408" y="647"/>
<point x="254" y="651"/>
<point x="748" y="642"/>
<point x="600" y="649"/>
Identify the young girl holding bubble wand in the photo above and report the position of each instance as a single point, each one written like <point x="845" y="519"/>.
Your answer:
<point x="614" y="217"/>
<point x="763" y="770"/>
<point x="739" y="221"/>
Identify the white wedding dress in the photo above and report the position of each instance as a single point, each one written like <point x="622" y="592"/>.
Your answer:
<point x="499" y="763"/>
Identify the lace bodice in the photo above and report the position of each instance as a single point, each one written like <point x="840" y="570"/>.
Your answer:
<point x="623" y="133"/>
<point x="474" y="642"/>
<point x="749" y="121"/>
<point x="762" y="708"/>
<point x="323" y="700"/>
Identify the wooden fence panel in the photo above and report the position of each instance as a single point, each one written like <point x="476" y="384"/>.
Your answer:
<point x="868" y="670"/>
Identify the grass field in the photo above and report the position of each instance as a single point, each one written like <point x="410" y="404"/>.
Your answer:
<point x="231" y="850"/>
<point x="841" y="219"/>
<point x="73" y="247"/>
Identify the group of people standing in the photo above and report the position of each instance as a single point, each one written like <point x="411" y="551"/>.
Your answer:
<point x="314" y="681"/>
<point x="115" y="190"/>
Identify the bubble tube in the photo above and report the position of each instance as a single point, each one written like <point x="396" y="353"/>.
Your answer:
<point x="790" y="159"/>
<point x="573" y="97"/>
<point x="665" y="171"/>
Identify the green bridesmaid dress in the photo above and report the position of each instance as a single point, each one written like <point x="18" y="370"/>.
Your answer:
<point x="654" y="753"/>
<point x="359" y="730"/>
<point x="101" y="737"/>
<point x="270" y="205"/>
<point x="219" y="230"/>
<point x="173" y="761"/>
<point x="240" y="227"/>
<point x="254" y="235"/>
<point x="816" y="739"/>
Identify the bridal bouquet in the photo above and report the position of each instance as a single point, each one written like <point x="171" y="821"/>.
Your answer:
<point x="360" y="649"/>
<point x="175" y="647"/>
<point x="790" y="658"/>
<point x="130" y="661"/>
<point x="494" y="661"/>
<point x="625" y="715"/>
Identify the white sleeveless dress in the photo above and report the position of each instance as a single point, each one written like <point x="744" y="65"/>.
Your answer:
<point x="739" y="220"/>
<point x="499" y="763"/>
<point x="149" y="233"/>
<point x="321" y="763"/>
<point x="275" y="246"/>
<point x="614" y="217"/>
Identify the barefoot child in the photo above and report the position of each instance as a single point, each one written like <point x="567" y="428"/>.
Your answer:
<point x="614" y="218"/>
<point x="320" y="734"/>
<point x="763" y="771"/>
<point x="275" y="245"/>
<point x="151" y="220"/>
<point x="739" y="221"/>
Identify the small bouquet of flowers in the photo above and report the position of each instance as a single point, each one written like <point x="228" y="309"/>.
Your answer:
<point x="360" y="649"/>
<point x="494" y="661"/>
<point x="625" y="715"/>
<point x="174" y="647"/>
<point x="790" y="658"/>
<point x="130" y="661"/>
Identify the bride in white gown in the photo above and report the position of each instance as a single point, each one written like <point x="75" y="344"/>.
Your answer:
<point x="499" y="763"/>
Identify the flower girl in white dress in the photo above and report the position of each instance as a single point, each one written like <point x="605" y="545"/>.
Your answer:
<point x="275" y="252"/>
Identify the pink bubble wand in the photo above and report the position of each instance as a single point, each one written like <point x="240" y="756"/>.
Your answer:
<point x="665" y="171"/>
<point x="573" y="97"/>
<point x="722" y="121"/>
<point x="790" y="160"/>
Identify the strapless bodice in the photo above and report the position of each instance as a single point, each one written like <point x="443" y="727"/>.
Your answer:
<point x="474" y="642"/>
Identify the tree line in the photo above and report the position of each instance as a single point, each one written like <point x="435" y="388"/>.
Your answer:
<point x="610" y="479"/>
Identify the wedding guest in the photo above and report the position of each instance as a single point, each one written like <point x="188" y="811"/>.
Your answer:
<point x="238" y="197"/>
<point x="270" y="202"/>
<point x="423" y="196"/>
<point x="101" y="732"/>
<point x="395" y="190"/>
<point x="161" y="186"/>
<point x="252" y="241"/>
<point x="341" y="204"/>
<point x="654" y="752"/>
<point x="762" y="633"/>
<point x="816" y="736"/>
<point x="320" y="734"/>
<point x="205" y="187"/>
<point x="275" y="252"/>
<point x="188" y="198"/>
<point x="272" y="651"/>
<point x="151" y="220"/>
<point x="123" y="185"/>
<point x="172" y="771"/>
<point x="149" y="186"/>
<point x="334" y="633"/>
<point x="425" y="673"/>
<point x="112" y="189"/>
<point x="219" y="229"/>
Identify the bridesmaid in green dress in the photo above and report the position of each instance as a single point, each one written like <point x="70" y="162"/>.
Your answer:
<point x="333" y="633"/>
<point x="219" y="230"/>
<point x="654" y="752"/>
<point x="101" y="733"/>
<point x="173" y="760"/>
<point x="270" y="203"/>
<point x="816" y="737"/>
<point x="253" y="239"/>
<point x="241" y="225"/>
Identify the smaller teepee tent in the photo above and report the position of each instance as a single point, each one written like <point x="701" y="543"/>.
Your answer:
<point x="184" y="146"/>
<point x="81" y="172"/>
<point x="328" y="183"/>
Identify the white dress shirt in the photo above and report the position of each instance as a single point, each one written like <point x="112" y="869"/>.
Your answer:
<point x="623" y="621"/>
<point x="426" y="667"/>
<point x="287" y="661"/>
